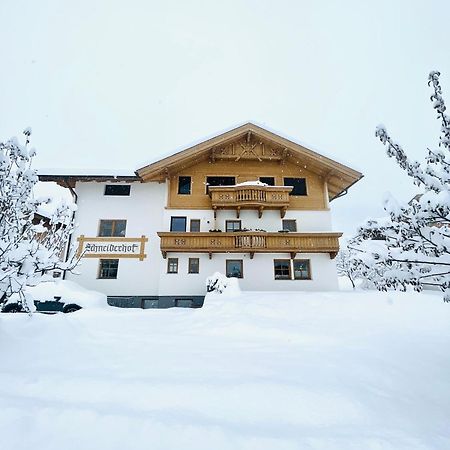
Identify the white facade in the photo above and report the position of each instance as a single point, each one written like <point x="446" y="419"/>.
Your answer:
<point x="146" y="214"/>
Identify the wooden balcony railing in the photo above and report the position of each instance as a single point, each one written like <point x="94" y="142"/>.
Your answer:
<point x="249" y="241"/>
<point x="250" y="197"/>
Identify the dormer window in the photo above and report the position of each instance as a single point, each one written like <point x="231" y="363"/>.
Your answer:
<point x="117" y="189"/>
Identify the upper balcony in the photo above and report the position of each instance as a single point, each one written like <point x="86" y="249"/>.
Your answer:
<point x="250" y="196"/>
<point x="249" y="241"/>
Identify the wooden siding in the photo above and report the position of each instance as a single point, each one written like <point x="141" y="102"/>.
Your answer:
<point x="246" y="170"/>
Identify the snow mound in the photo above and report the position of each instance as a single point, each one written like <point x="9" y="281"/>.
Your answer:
<point x="70" y="292"/>
<point x="329" y="371"/>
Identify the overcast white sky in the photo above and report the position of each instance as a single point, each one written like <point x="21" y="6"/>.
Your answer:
<point x="111" y="84"/>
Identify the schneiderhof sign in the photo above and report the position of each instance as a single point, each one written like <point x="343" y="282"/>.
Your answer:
<point x="111" y="247"/>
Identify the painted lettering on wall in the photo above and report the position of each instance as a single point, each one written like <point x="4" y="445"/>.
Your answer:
<point x="112" y="247"/>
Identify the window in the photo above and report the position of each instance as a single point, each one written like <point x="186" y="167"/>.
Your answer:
<point x="234" y="268"/>
<point x="232" y="225"/>
<point x="219" y="181"/>
<point x="117" y="189"/>
<point x="108" y="269"/>
<point x="184" y="302"/>
<point x="290" y="225"/>
<point x="194" y="265"/>
<point x="301" y="269"/>
<point x="268" y="180"/>
<point x="178" y="224"/>
<point x="282" y="269"/>
<point x="184" y="185"/>
<point x="172" y="265"/>
<point x="195" y="225"/>
<point x="299" y="185"/>
<point x="114" y="228"/>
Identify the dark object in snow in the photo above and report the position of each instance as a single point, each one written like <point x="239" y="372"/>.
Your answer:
<point x="46" y="307"/>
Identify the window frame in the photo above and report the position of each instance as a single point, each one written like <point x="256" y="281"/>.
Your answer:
<point x="114" y="221"/>
<point x="240" y="261"/>
<point x="199" y="225"/>
<point x="178" y="217"/>
<point x="308" y="261"/>
<point x="234" y="221"/>
<point x="169" y="261"/>
<point x="117" y="185"/>
<point x="289" y="266"/>
<point x="296" y="178"/>
<point x="289" y="220"/>
<point x="189" y="265"/>
<point x="218" y="176"/>
<point x="190" y="185"/>
<point x="273" y="178"/>
<point x="100" y="263"/>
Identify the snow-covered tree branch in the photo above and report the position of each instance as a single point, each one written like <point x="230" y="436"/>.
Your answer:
<point x="28" y="252"/>
<point x="416" y="234"/>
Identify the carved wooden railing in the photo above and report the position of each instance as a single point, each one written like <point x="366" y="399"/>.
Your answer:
<point x="250" y="197"/>
<point x="249" y="241"/>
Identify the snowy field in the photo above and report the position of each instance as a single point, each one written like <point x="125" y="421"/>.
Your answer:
<point x="362" y="371"/>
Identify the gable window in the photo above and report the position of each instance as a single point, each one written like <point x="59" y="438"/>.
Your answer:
<point x="195" y="225"/>
<point x="184" y="185"/>
<point x="290" y="225"/>
<point x="232" y="225"/>
<point x="110" y="228"/>
<point x="108" y="269"/>
<point x="194" y="265"/>
<point x="301" y="269"/>
<point x="268" y="180"/>
<point x="172" y="265"/>
<point x="234" y="268"/>
<point x="282" y="269"/>
<point x="117" y="189"/>
<point x="299" y="185"/>
<point x="219" y="181"/>
<point x="177" y="223"/>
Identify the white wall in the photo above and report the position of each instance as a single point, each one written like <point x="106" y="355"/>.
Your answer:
<point x="144" y="214"/>
<point x="258" y="273"/>
<point x="270" y="221"/>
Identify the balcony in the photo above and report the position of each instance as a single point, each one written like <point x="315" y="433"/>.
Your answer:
<point x="249" y="241"/>
<point x="250" y="197"/>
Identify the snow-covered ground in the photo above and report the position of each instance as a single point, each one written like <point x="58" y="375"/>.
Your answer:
<point x="362" y="371"/>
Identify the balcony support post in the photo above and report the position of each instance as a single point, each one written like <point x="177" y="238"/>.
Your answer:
<point x="260" y="211"/>
<point x="283" y="212"/>
<point x="252" y="254"/>
<point x="238" y="212"/>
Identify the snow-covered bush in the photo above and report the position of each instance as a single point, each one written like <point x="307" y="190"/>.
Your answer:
<point x="220" y="284"/>
<point x="415" y="245"/>
<point x="27" y="252"/>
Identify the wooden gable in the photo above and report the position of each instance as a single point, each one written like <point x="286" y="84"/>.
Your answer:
<point x="250" y="151"/>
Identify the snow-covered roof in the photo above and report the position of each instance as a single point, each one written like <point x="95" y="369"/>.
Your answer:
<point x="70" y="176"/>
<point x="87" y="172"/>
